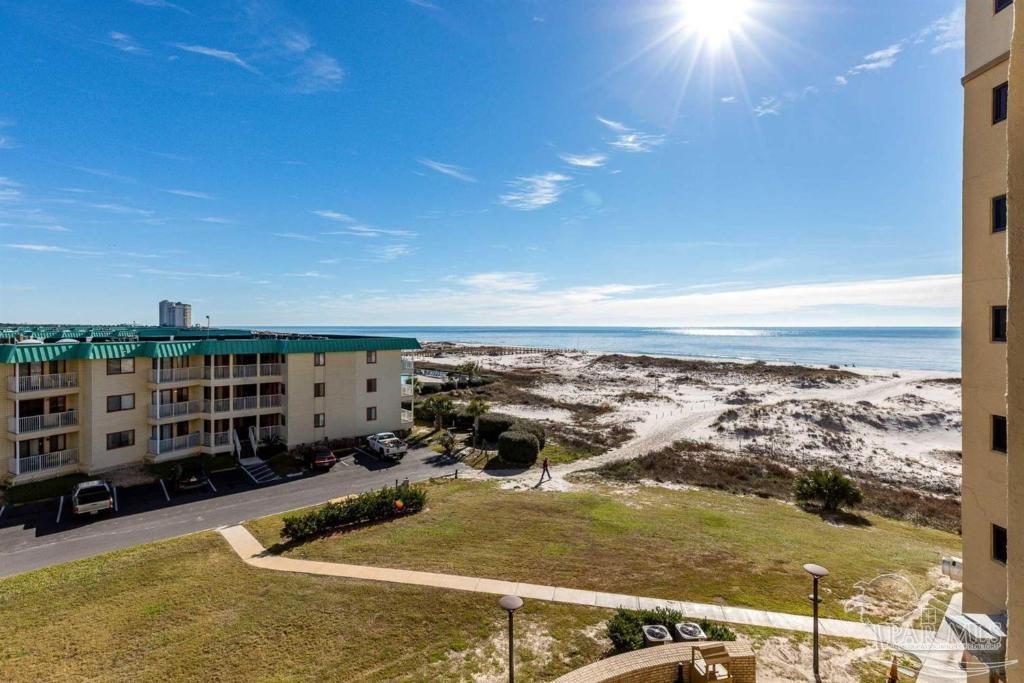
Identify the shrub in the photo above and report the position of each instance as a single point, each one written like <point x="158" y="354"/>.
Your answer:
<point x="372" y="506"/>
<point x="625" y="627"/>
<point x="493" y="424"/>
<point x="519" y="449"/>
<point x="830" y="489"/>
<point x="531" y="427"/>
<point x="447" y="442"/>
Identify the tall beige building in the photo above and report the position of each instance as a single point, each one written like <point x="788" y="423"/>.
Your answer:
<point x="992" y="549"/>
<point x="92" y="400"/>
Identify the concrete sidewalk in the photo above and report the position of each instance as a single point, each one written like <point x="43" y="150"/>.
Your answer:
<point x="253" y="553"/>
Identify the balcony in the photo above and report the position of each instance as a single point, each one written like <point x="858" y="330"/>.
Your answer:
<point x="245" y="403"/>
<point x="22" y="385"/>
<point x="179" y="409"/>
<point x="220" y="405"/>
<point x="175" y="444"/>
<point x="270" y="369"/>
<point x="407" y="365"/>
<point x="244" y="370"/>
<point x="43" y="461"/>
<point x="216" y="371"/>
<point x="271" y="400"/>
<point x="407" y="390"/>
<point x="38" y="423"/>
<point x="272" y="431"/>
<point x="216" y="439"/>
<point x="407" y="417"/>
<point x="168" y="375"/>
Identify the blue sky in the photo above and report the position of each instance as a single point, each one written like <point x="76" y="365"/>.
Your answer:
<point x="469" y="162"/>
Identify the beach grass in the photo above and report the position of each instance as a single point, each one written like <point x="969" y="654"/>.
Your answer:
<point x="695" y="545"/>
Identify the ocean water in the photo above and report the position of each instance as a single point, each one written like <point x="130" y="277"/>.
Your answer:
<point x="911" y="348"/>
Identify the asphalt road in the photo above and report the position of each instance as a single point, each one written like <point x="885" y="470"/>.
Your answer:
<point x="31" y="537"/>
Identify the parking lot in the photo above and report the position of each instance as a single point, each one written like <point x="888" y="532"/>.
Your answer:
<point x="44" y="533"/>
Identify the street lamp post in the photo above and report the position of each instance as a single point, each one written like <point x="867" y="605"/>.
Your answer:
<point x="510" y="603"/>
<point x="817" y="573"/>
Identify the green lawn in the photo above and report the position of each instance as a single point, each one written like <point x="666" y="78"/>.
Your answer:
<point x="190" y="609"/>
<point x="700" y="545"/>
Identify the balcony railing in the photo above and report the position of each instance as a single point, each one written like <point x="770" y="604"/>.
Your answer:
<point x="165" y="375"/>
<point x="407" y="416"/>
<point x="216" y="439"/>
<point x="174" y="444"/>
<point x="43" y="461"/>
<point x="37" y="423"/>
<point x="220" y="405"/>
<point x="270" y="369"/>
<point x="407" y="365"/>
<point x="271" y="431"/>
<point x="245" y="403"/>
<point x="244" y="370"/>
<point x="406" y="390"/>
<point x="271" y="400"/>
<point x="179" y="409"/>
<point x="216" y="371"/>
<point x="64" y="380"/>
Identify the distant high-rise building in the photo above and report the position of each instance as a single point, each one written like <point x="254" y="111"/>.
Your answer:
<point x="175" y="314"/>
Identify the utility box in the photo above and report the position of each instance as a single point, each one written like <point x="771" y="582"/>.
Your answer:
<point x="656" y="635"/>
<point x="953" y="567"/>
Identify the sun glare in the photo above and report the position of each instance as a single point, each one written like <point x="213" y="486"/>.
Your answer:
<point x="715" y="21"/>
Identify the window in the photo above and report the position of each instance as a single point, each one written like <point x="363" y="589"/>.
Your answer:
<point x="120" y="439"/>
<point x="319" y="389"/>
<point x="1000" y="95"/>
<point x="371" y="357"/>
<point x="120" y="402"/>
<point x="371" y="385"/>
<point x="319" y="420"/>
<point x="999" y="323"/>
<point x="999" y="213"/>
<point x="319" y="359"/>
<point x="120" y="366"/>
<point x="999" y="433"/>
<point x="1002" y="4"/>
<point x="371" y="413"/>
<point x="998" y="543"/>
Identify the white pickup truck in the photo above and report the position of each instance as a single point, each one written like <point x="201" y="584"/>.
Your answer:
<point x="92" y="498"/>
<point x="387" y="445"/>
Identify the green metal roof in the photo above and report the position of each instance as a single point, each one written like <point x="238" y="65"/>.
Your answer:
<point x="27" y="353"/>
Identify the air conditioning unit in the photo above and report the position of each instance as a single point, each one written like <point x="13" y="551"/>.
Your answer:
<point x="953" y="567"/>
<point x="656" y="635"/>
<point x="689" y="631"/>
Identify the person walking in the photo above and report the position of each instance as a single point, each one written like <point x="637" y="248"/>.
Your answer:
<point x="545" y="472"/>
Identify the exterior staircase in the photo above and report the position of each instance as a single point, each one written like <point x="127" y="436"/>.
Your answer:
<point x="251" y="464"/>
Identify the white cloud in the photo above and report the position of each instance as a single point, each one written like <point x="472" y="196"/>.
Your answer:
<point x="318" y="73"/>
<point x="334" y="215"/>
<point x="617" y="126"/>
<point x="183" y="274"/>
<point x="41" y="248"/>
<point x="946" y="33"/>
<point x="637" y="142"/>
<point x="125" y="42"/>
<point x="841" y="80"/>
<point x="503" y="281"/>
<point x="392" y="251"/>
<point x="189" y="193"/>
<point x="309" y="274"/>
<point x="296" y="236"/>
<point x="5" y="141"/>
<point x="10" y="191"/>
<point x="769" y="106"/>
<point x="218" y="220"/>
<point x="121" y="209"/>
<point x="530" y="193"/>
<point x="423" y="3"/>
<point x="729" y="100"/>
<point x="593" y="160"/>
<point x="222" y="55"/>
<point x="879" y="59"/>
<point x="163" y="4"/>
<point x="448" y="169"/>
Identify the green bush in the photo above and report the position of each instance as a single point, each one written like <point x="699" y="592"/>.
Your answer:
<point x="830" y="489"/>
<point x="531" y="427"/>
<point x="519" y="449"/>
<point x="626" y="633"/>
<point x="493" y="424"/>
<point x="372" y="506"/>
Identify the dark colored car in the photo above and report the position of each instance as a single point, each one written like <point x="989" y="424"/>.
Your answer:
<point x="322" y="458"/>
<point x="189" y="476"/>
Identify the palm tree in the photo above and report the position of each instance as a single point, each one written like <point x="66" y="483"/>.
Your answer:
<point x="442" y="407"/>
<point x="476" y="408"/>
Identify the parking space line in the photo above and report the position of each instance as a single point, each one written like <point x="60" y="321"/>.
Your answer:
<point x="60" y="509"/>
<point x="164" y="487"/>
<point x="114" y="489"/>
<point x="209" y="483"/>
<point x="2" y="508"/>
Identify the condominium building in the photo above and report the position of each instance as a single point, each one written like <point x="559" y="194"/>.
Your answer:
<point x="175" y="314"/>
<point x="91" y="400"/>
<point x="992" y="542"/>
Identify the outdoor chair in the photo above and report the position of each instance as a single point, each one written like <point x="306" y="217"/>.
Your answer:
<point x="710" y="664"/>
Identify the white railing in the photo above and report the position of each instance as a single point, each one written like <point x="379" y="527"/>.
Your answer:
<point x="407" y="415"/>
<point x="65" y="380"/>
<point x="271" y="400"/>
<point x="220" y="405"/>
<point x="177" y="443"/>
<point x="244" y="370"/>
<point x="216" y="439"/>
<point x="186" y="374"/>
<point x="270" y="369"/>
<point x="245" y="403"/>
<point x="406" y="390"/>
<point x="174" y="409"/>
<point x="36" y="423"/>
<point x="271" y="431"/>
<point x="407" y="365"/>
<point x="43" y="461"/>
<point x="216" y="371"/>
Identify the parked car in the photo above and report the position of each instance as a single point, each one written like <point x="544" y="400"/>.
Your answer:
<point x="322" y="458"/>
<point x="387" y="445"/>
<point x="189" y="476"/>
<point x="92" y="498"/>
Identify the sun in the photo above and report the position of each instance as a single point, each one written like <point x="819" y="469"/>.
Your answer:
<point x="715" y="21"/>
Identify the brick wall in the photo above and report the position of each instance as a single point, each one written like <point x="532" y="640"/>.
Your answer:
<point x="659" y="665"/>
